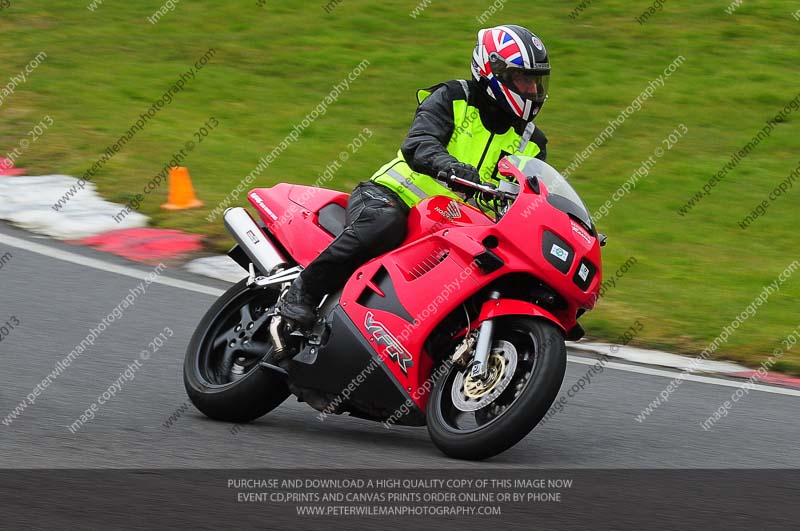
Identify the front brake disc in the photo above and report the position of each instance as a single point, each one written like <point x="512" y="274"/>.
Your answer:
<point x="471" y="394"/>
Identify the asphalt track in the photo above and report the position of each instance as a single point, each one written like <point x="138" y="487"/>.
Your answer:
<point x="57" y="302"/>
<point x="129" y="468"/>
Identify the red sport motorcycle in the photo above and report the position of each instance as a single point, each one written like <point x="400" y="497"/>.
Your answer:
<point x="461" y="328"/>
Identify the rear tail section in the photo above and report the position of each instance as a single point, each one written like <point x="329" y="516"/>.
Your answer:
<point x="303" y="219"/>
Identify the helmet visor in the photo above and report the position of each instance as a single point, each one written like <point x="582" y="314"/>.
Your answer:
<point x="530" y="83"/>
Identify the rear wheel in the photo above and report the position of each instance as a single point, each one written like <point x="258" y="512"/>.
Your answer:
<point x="221" y="370"/>
<point x="475" y="419"/>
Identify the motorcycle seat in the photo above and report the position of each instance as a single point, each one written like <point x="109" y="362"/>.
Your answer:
<point x="331" y="218"/>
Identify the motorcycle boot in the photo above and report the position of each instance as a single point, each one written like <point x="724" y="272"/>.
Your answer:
<point x="299" y="304"/>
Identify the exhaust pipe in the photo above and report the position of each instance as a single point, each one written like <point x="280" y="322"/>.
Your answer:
<point x="252" y="240"/>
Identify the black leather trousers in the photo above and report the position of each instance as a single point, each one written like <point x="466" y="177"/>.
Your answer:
<point x="375" y="223"/>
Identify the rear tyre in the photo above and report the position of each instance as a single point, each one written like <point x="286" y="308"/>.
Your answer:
<point x="465" y="418"/>
<point x="221" y="370"/>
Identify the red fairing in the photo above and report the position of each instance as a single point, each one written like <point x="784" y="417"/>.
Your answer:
<point x="430" y="278"/>
<point x="437" y="213"/>
<point x="433" y="273"/>
<point x="502" y="307"/>
<point x="397" y="300"/>
<point x="521" y="232"/>
<point x="290" y="213"/>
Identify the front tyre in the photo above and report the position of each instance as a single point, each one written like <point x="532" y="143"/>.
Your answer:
<point x="473" y="419"/>
<point x="221" y="370"/>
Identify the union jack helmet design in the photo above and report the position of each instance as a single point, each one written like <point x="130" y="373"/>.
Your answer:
<point x="512" y="63"/>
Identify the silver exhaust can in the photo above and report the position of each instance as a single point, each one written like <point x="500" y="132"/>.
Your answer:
<point x="252" y="240"/>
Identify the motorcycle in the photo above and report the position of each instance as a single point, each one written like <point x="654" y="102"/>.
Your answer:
<point x="461" y="329"/>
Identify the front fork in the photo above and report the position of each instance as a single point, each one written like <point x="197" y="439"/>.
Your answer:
<point x="482" y="341"/>
<point x="484" y="344"/>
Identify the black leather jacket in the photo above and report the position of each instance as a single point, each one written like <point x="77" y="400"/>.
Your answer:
<point x="425" y="146"/>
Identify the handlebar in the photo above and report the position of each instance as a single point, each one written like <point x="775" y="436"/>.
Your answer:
<point x="489" y="189"/>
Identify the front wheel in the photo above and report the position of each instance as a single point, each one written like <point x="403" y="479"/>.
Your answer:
<point x="476" y="419"/>
<point x="221" y="371"/>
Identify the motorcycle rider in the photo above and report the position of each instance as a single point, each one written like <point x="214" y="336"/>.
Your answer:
<point x="462" y="127"/>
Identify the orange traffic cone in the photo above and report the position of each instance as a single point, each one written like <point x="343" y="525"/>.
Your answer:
<point x="181" y="191"/>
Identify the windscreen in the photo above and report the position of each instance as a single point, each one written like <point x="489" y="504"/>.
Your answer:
<point x="562" y="195"/>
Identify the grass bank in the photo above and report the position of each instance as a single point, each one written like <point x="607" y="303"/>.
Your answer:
<point x="695" y="270"/>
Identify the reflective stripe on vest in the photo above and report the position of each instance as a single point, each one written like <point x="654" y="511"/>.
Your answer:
<point x="412" y="187"/>
<point x="470" y="143"/>
<point x="405" y="181"/>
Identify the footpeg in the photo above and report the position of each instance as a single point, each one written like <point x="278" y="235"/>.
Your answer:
<point x="269" y="366"/>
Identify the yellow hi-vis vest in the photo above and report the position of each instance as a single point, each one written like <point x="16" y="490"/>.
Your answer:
<point x="470" y="143"/>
